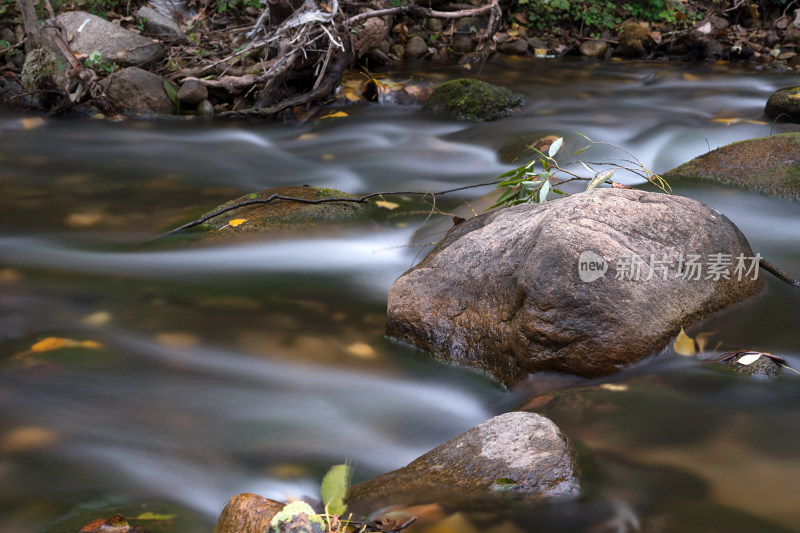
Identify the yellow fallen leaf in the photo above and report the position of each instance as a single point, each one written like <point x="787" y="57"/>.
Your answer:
<point x="177" y="340"/>
<point x="328" y="157"/>
<point x="90" y="344"/>
<point x="237" y="222"/>
<point x="684" y="344"/>
<point x="100" y="318"/>
<point x="27" y="438"/>
<point x="749" y="359"/>
<point x="338" y="114"/>
<point x="51" y="343"/>
<point x="83" y="220"/>
<point x="387" y="205"/>
<point x="614" y="387"/>
<point x="702" y="340"/>
<point x="307" y="136"/>
<point x="361" y="349"/>
<point x="727" y="121"/>
<point x="10" y="275"/>
<point x="32" y="123"/>
<point x="690" y="77"/>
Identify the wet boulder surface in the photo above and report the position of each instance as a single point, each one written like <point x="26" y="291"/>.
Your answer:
<point x="517" y="454"/>
<point x="768" y="164"/>
<point x="586" y="285"/>
<point x="475" y="100"/>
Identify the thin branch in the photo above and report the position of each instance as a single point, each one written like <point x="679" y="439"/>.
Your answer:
<point x="423" y="12"/>
<point x="778" y="273"/>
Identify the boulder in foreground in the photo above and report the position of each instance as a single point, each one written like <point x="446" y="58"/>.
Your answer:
<point x="769" y="164"/>
<point x="517" y="454"/>
<point x="584" y="285"/>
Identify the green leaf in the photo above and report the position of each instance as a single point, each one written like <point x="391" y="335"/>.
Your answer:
<point x="543" y="192"/>
<point x="555" y="147"/>
<point x="334" y="488"/>
<point x="172" y="92"/>
<point x="601" y="178"/>
<point x="253" y="195"/>
<point x="582" y="150"/>
<point x="585" y="137"/>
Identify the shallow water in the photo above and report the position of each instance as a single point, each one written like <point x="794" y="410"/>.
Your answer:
<point x="254" y="367"/>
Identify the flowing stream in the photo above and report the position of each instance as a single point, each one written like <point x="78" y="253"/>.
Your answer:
<point x="253" y="367"/>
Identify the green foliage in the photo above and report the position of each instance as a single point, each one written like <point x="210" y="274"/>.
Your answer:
<point x="236" y="5"/>
<point x="96" y="62"/>
<point x="603" y="14"/>
<point x="527" y="185"/>
<point x="291" y="513"/>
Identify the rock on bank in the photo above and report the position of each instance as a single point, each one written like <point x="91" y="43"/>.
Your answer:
<point x="503" y="293"/>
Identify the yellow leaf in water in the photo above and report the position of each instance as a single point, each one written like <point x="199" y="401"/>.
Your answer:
<point x="749" y="359"/>
<point x="387" y="205"/>
<point x="51" y="343"/>
<point x="307" y="136"/>
<point x="361" y="349"/>
<point x="32" y="123"/>
<point x="328" y="157"/>
<point x="702" y="340"/>
<point x="177" y="340"/>
<point x="614" y="387"/>
<point x="90" y="344"/>
<point x="338" y="114"/>
<point x="684" y="344"/>
<point x="83" y="220"/>
<point x="100" y="318"/>
<point x="690" y="77"/>
<point x="27" y="438"/>
<point x="727" y="121"/>
<point x="237" y="222"/>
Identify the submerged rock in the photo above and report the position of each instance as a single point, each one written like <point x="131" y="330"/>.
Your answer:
<point x="763" y="366"/>
<point x="247" y="513"/>
<point x="468" y="99"/>
<point x="784" y="104"/>
<point x="284" y="214"/>
<point x="517" y="454"/>
<point x="584" y="285"/>
<point x="768" y="164"/>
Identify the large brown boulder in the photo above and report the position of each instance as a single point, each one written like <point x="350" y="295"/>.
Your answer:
<point x="516" y="454"/>
<point x="133" y="90"/>
<point x="769" y="164"/>
<point x="247" y="513"/>
<point x="567" y="286"/>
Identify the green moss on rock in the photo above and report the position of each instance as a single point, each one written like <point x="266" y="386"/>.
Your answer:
<point x="468" y="99"/>
<point x="784" y="104"/>
<point x="768" y="164"/>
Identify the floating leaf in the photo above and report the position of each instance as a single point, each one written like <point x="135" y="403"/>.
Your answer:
<point x="152" y="516"/>
<point x="749" y="359"/>
<point x="338" y="114"/>
<point x="307" y="136"/>
<point x="334" y="488"/>
<point x="702" y="339"/>
<point x="684" y="344"/>
<point x="614" y="387"/>
<point x="51" y="343"/>
<point x="361" y="349"/>
<point x="555" y="147"/>
<point x="32" y="123"/>
<point x="387" y="205"/>
<point x="237" y="222"/>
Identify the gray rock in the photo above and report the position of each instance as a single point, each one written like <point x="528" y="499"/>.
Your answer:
<point x="768" y="164"/>
<point x="513" y="47"/>
<point x="205" y="109"/>
<point x="87" y="33"/>
<point x="416" y="47"/>
<point x="158" y="24"/>
<point x="463" y="44"/>
<point x="596" y="49"/>
<point x="763" y="366"/>
<point x="517" y="454"/>
<point x="398" y="50"/>
<point x="136" y="91"/>
<point x="434" y="25"/>
<point x="502" y="292"/>
<point x="192" y="92"/>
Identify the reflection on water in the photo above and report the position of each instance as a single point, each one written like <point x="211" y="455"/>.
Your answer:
<point x="254" y="367"/>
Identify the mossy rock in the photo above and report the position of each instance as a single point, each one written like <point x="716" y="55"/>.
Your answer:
<point x="784" y="104"/>
<point x="763" y="366"/>
<point x="284" y="214"/>
<point x="769" y="164"/>
<point x="468" y="99"/>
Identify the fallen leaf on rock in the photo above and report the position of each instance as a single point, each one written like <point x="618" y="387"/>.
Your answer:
<point x="749" y="359"/>
<point x="684" y="344"/>
<point x="237" y="222"/>
<point x="386" y="205"/>
<point x="338" y="114"/>
<point x="616" y="185"/>
<point x="152" y="516"/>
